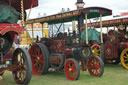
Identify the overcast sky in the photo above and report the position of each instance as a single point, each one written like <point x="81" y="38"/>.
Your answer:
<point x="54" y="6"/>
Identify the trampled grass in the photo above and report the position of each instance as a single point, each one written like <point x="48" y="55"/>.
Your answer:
<point x="113" y="75"/>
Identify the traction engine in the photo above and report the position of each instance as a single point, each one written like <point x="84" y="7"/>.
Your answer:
<point x="66" y="51"/>
<point x="64" y="55"/>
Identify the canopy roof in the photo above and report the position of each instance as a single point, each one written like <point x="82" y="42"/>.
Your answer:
<point x="27" y="3"/>
<point x="72" y="15"/>
<point x="111" y="22"/>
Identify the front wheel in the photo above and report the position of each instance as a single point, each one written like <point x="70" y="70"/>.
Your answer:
<point x="124" y="58"/>
<point x="96" y="66"/>
<point x="72" y="69"/>
<point x="23" y="72"/>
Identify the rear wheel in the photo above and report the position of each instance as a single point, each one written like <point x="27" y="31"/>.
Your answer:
<point x="96" y="50"/>
<point x="72" y="69"/>
<point x="39" y="56"/>
<point x="96" y="66"/>
<point x="124" y="58"/>
<point x="23" y="72"/>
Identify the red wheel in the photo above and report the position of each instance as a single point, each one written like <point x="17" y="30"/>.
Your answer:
<point x="23" y="72"/>
<point x="39" y="57"/>
<point x="96" y="66"/>
<point x="72" y="69"/>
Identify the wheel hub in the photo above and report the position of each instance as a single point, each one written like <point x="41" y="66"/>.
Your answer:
<point x="70" y="69"/>
<point x="96" y="66"/>
<point x="38" y="58"/>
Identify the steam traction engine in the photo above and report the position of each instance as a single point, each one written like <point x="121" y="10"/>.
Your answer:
<point x="59" y="54"/>
<point x="115" y="47"/>
<point x="66" y="51"/>
<point x="14" y="59"/>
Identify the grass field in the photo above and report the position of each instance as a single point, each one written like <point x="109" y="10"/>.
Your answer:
<point x="113" y="75"/>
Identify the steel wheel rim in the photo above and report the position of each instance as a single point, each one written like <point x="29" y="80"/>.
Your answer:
<point x="21" y="71"/>
<point x="37" y="58"/>
<point x="124" y="58"/>
<point x="94" y="66"/>
<point x="70" y="70"/>
<point x="96" y="50"/>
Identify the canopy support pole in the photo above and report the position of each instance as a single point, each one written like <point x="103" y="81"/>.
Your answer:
<point x="101" y="28"/>
<point x="42" y="31"/>
<point x="73" y="25"/>
<point x="32" y="34"/>
<point x="63" y="27"/>
<point x="52" y="30"/>
<point x="107" y="30"/>
<point x="86" y="27"/>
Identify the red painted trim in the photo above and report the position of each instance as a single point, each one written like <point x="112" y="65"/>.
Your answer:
<point x="4" y="28"/>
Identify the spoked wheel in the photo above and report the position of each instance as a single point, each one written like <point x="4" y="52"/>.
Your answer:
<point x="124" y="58"/>
<point x="96" y="50"/>
<point x="39" y="56"/>
<point x="72" y="69"/>
<point x="23" y="72"/>
<point x="95" y="66"/>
